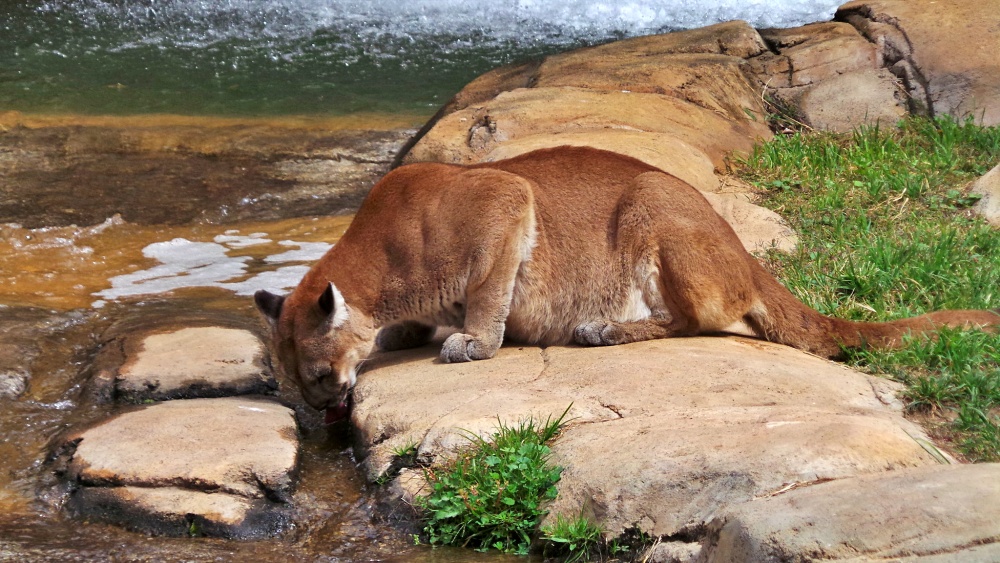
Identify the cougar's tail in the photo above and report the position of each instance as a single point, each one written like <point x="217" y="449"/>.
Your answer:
<point x="781" y="317"/>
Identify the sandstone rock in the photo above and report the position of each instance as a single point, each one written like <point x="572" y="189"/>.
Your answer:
<point x="821" y="51"/>
<point x="467" y="136"/>
<point x="844" y="102"/>
<point x="945" y="513"/>
<point x="193" y="362"/>
<point x="226" y="465"/>
<point x="988" y="186"/>
<point x="735" y="39"/>
<point x="664" y="434"/>
<point x="831" y="75"/>
<point x="946" y="50"/>
<point x="715" y="82"/>
<point x="680" y="101"/>
<point x="758" y="228"/>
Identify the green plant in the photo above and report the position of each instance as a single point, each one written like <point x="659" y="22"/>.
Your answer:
<point x="885" y="233"/>
<point x="407" y="450"/>
<point x="574" y="539"/>
<point x="492" y="495"/>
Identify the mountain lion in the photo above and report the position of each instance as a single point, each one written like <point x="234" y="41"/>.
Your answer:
<point x="560" y="245"/>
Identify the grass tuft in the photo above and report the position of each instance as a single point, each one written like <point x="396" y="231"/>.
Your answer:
<point x="886" y="232"/>
<point x="573" y="539"/>
<point x="493" y="494"/>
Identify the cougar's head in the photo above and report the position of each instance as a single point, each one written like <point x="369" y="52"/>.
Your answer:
<point x="319" y="343"/>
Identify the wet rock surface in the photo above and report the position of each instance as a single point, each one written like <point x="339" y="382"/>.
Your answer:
<point x="225" y="466"/>
<point x="166" y="173"/>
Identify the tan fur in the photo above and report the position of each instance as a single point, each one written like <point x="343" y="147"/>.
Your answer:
<point x="555" y="246"/>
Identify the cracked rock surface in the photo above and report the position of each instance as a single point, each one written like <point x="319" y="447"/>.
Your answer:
<point x="930" y="514"/>
<point x="663" y="435"/>
<point x="946" y="52"/>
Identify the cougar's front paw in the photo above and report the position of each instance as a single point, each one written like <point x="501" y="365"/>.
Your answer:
<point x="464" y="348"/>
<point x="596" y="333"/>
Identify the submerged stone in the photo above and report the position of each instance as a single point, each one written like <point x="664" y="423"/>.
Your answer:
<point x="225" y="466"/>
<point x="12" y="384"/>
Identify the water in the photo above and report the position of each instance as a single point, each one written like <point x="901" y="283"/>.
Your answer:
<point x="281" y="57"/>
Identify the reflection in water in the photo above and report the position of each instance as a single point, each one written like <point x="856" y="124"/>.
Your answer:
<point x="186" y="263"/>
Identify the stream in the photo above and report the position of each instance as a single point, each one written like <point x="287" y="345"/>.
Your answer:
<point x="161" y="161"/>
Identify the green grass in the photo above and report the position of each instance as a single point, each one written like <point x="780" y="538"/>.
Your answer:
<point x="574" y="539"/>
<point x="885" y="232"/>
<point x="493" y="494"/>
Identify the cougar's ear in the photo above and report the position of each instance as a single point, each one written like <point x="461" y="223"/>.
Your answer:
<point x="332" y="303"/>
<point x="269" y="304"/>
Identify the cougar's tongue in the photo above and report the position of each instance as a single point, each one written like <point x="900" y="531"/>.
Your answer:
<point x="337" y="413"/>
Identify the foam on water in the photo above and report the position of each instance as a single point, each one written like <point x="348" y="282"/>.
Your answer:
<point x="197" y="23"/>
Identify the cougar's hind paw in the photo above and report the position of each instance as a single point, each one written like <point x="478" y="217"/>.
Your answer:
<point x="596" y="333"/>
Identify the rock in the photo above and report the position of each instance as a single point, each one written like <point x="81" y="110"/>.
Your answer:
<point x="663" y="434"/>
<point x="679" y="101"/>
<point x="821" y="51"/>
<point x="946" y="52"/>
<point x="758" y="228"/>
<point x="673" y="552"/>
<point x="988" y="186"/>
<point x="844" y="102"/>
<point x="831" y="75"/>
<point x="192" y="362"/>
<point x="715" y="82"/>
<point x="944" y="513"/>
<point x="12" y="384"/>
<point x="225" y="466"/>
<point x="736" y="39"/>
<point x="469" y="135"/>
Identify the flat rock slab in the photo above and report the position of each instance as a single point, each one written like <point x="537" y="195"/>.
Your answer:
<point x="664" y="434"/>
<point x="945" y="513"/>
<point x="193" y="363"/>
<point x="230" y="462"/>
